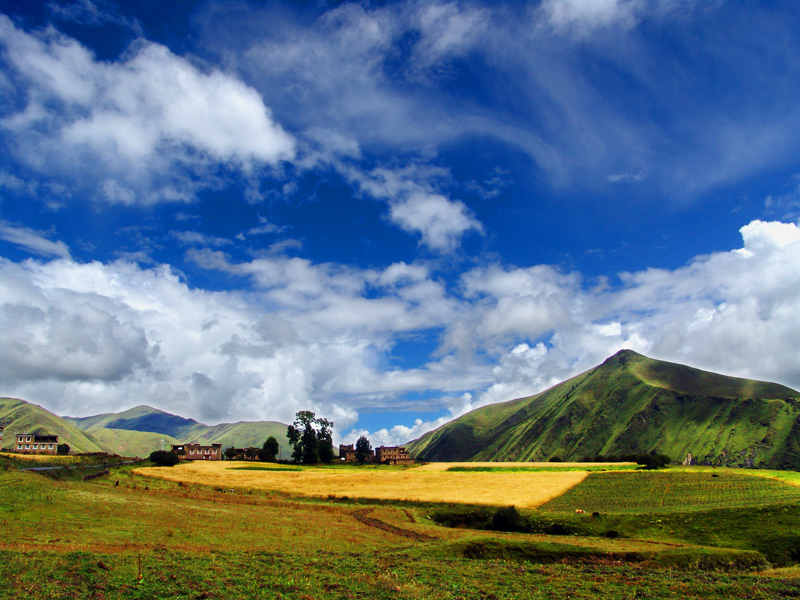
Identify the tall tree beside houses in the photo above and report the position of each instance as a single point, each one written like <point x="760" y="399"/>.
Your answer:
<point x="363" y="450"/>
<point x="311" y="437"/>
<point x="270" y="450"/>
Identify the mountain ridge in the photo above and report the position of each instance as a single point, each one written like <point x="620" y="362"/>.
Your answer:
<point x="631" y="404"/>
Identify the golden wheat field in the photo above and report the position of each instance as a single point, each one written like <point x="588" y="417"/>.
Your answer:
<point x="444" y="466"/>
<point x="422" y="484"/>
<point x="50" y="458"/>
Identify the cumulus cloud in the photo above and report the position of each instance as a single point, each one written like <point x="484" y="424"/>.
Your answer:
<point x="137" y="121"/>
<point x="87" y="338"/>
<point x="440" y="222"/>
<point x="730" y="312"/>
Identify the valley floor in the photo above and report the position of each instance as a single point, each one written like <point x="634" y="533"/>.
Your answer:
<point x="124" y="535"/>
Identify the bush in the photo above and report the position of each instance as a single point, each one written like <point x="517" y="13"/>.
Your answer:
<point x="508" y="519"/>
<point x="162" y="458"/>
<point x="653" y="461"/>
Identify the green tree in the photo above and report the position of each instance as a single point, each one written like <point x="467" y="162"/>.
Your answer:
<point x="311" y="438"/>
<point x="363" y="449"/>
<point x="269" y="453"/>
<point x="163" y="458"/>
<point x="62" y="449"/>
<point x="230" y="452"/>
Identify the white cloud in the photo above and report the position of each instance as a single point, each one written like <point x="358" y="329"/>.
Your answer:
<point x="414" y="204"/>
<point x="582" y="16"/>
<point x="736" y="313"/>
<point x="34" y="241"/>
<point x="613" y="108"/>
<point x="440" y="222"/>
<point x="88" y="338"/>
<point x="144" y="124"/>
<point x="196" y="238"/>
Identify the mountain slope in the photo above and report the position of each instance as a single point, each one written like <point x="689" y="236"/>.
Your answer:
<point x="138" y="431"/>
<point x="18" y="416"/>
<point x="139" y="418"/>
<point x="632" y="404"/>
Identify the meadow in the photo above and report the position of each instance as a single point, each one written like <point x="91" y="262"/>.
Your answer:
<point x="130" y="535"/>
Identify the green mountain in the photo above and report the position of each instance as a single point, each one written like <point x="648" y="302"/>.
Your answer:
<point x="631" y="404"/>
<point x="138" y="431"/>
<point x="18" y="416"/>
<point x="141" y="418"/>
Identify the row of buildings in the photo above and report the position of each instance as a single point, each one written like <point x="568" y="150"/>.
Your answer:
<point x="383" y="455"/>
<point x="386" y="455"/>
<point x="36" y="443"/>
<point x="198" y="451"/>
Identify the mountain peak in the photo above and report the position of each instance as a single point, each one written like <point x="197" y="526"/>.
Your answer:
<point x="622" y="358"/>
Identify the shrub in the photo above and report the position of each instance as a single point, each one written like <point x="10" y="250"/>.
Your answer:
<point x="653" y="461"/>
<point x="162" y="458"/>
<point x="508" y="519"/>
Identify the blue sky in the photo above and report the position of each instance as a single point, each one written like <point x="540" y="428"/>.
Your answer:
<point x="390" y="213"/>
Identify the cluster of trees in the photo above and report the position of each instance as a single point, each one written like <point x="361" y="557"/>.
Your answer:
<point x="311" y="438"/>
<point x="269" y="452"/>
<point x="651" y="460"/>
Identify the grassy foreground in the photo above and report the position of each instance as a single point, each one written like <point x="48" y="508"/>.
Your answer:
<point x="152" y="538"/>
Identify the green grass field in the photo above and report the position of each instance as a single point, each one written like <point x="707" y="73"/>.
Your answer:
<point x="548" y="469"/>
<point x="673" y="491"/>
<point x="127" y="536"/>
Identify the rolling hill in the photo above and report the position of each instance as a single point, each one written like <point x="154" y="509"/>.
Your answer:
<point x="134" y="432"/>
<point x="138" y="431"/>
<point x="18" y="416"/>
<point x="631" y="404"/>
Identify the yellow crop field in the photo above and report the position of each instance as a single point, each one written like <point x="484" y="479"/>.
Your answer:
<point x="51" y="458"/>
<point x="444" y="466"/>
<point x="422" y="484"/>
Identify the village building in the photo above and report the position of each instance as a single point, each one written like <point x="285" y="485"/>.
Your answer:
<point x="35" y="443"/>
<point x="198" y="452"/>
<point x="393" y="455"/>
<point x="347" y="453"/>
<point x="251" y="453"/>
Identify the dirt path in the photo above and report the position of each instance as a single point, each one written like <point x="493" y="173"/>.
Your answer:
<point x="360" y="515"/>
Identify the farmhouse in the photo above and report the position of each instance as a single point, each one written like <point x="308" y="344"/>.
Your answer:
<point x="198" y="452"/>
<point x="347" y="453"/>
<point x="35" y="443"/>
<point x="251" y="453"/>
<point x="393" y="455"/>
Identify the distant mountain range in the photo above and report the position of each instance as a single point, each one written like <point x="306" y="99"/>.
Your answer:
<point x="134" y="432"/>
<point x="631" y="404"/>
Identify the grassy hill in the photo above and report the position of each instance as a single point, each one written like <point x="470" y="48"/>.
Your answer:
<point x="138" y="431"/>
<point x="632" y="404"/>
<point x="18" y="416"/>
<point x="140" y="418"/>
<point x="132" y="443"/>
